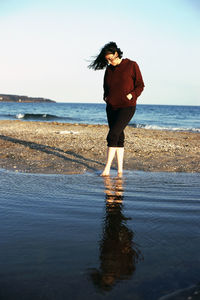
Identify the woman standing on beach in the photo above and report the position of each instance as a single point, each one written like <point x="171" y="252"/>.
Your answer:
<point x="123" y="84"/>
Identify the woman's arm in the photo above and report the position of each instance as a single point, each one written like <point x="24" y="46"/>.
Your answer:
<point x="138" y="83"/>
<point x="105" y="87"/>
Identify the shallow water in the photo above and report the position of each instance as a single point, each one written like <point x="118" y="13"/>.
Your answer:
<point x="85" y="237"/>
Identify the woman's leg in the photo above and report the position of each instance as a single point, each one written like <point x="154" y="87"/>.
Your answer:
<point x="117" y="120"/>
<point x="110" y="156"/>
<point x="111" y="151"/>
<point x="115" y="137"/>
<point x="120" y="159"/>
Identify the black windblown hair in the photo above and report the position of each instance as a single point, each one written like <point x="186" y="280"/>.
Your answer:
<point x="100" y="62"/>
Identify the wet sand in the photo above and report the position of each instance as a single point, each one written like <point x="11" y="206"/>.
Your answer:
<point x="60" y="148"/>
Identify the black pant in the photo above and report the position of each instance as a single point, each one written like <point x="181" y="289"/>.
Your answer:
<point x="118" y="119"/>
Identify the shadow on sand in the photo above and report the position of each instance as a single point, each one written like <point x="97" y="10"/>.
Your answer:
<point x="69" y="156"/>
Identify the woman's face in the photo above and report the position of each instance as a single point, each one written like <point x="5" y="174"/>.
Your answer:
<point x="112" y="59"/>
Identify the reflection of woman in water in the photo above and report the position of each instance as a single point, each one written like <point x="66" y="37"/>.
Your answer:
<point x="118" y="253"/>
<point x="123" y="84"/>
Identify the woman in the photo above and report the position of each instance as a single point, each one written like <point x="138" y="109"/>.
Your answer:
<point x="123" y="84"/>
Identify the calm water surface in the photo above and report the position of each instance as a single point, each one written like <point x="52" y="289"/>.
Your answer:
<point x="85" y="237"/>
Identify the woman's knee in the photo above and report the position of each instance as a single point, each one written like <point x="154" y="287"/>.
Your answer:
<point x="115" y="139"/>
<point x="121" y="140"/>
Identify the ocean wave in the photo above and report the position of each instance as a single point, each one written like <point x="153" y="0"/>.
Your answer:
<point x="156" y="127"/>
<point x="40" y="117"/>
<point x="36" y="116"/>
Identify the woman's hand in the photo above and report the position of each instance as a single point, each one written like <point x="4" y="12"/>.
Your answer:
<point x="129" y="96"/>
<point x="105" y="99"/>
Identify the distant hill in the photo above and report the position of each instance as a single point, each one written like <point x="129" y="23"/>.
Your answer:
<point x="16" y="98"/>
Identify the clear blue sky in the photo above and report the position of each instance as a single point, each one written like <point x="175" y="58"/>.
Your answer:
<point x="46" y="45"/>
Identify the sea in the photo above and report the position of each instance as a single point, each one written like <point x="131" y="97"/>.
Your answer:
<point x="81" y="236"/>
<point x="162" y="117"/>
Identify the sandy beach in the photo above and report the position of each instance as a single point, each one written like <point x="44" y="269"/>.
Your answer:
<point x="61" y="148"/>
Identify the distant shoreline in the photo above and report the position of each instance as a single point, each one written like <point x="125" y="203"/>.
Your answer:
<point x="64" y="148"/>
<point x="6" y="98"/>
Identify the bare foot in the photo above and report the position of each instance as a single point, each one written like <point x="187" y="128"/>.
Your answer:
<point x="105" y="173"/>
<point x="119" y="174"/>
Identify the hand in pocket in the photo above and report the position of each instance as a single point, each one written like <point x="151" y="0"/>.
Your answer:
<point x="129" y="96"/>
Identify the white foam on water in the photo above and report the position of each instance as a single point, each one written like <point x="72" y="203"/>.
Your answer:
<point x="155" y="127"/>
<point x="20" y="116"/>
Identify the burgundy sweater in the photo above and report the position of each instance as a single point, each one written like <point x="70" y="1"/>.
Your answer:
<point x="120" y="81"/>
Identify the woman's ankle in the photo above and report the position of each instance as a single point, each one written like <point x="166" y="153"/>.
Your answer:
<point x="120" y="173"/>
